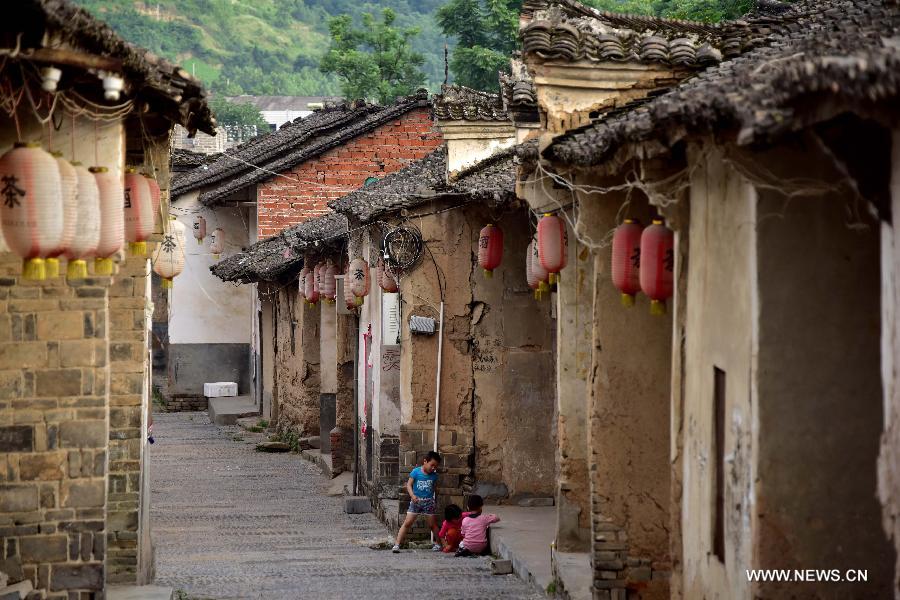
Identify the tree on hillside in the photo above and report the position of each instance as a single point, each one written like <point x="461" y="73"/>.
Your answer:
<point x="486" y="32"/>
<point x="234" y="113"/>
<point x="375" y="60"/>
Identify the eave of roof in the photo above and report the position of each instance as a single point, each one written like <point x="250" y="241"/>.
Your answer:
<point x="295" y="143"/>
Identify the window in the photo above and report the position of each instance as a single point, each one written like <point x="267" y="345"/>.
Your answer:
<point x="718" y="451"/>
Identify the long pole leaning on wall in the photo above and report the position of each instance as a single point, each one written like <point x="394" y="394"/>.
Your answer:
<point x="437" y="387"/>
<point x="356" y="406"/>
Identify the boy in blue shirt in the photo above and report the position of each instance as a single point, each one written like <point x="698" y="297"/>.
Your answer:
<point x="420" y="487"/>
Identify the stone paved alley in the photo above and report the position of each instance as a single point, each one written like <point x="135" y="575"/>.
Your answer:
<point x="229" y="522"/>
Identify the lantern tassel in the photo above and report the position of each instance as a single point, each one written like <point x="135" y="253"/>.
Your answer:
<point x="627" y="300"/>
<point x="76" y="270"/>
<point x="52" y="268"/>
<point x="216" y="257"/>
<point x="34" y="269"/>
<point x="167" y="284"/>
<point x="103" y="266"/>
<point x="138" y="248"/>
<point x="488" y="274"/>
<point x="358" y="301"/>
<point x="657" y="307"/>
<point x="199" y="240"/>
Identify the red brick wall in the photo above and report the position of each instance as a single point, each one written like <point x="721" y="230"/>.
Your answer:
<point x="282" y="203"/>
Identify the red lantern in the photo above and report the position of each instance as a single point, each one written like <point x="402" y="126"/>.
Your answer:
<point x="553" y="245"/>
<point x="87" y="224"/>
<point x="657" y="265"/>
<point x="68" y="179"/>
<point x="155" y="196"/>
<point x="199" y="228"/>
<point x="310" y="289"/>
<point x="359" y="279"/>
<point x="385" y="278"/>
<point x="138" y="212"/>
<point x="490" y="249"/>
<point x="217" y="245"/>
<point x="112" y="219"/>
<point x="327" y="281"/>
<point x="626" y="260"/>
<point x="32" y="209"/>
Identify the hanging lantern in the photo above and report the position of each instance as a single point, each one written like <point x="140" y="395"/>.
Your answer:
<point x="657" y="265"/>
<point x="68" y="180"/>
<point x="217" y="245"/>
<point x="359" y="279"/>
<point x="553" y="245"/>
<point x="138" y="212"/>
<point x="32" y="209"/>
<point x="626" y="260"/>
<point x="327" y="282"/>
<point x="112" y="219"/>
<point x="533" y="282"/>
<point x="538" y="271"/>
<point x="199" y="228"/>
<point x="490" y="249"/>
<point x="388" y="281"/>
<point x="349" y="298"/>
<point x="311" y="288"/>
<point x="301" y="282"/>
<point x="155" y="196"/>
<point x="87" y="224"/>
<point x="168" y="259"/>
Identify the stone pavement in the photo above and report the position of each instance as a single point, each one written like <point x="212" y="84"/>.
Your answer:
<point x="229" y="522"/>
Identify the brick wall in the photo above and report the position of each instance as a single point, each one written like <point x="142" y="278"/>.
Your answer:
<point x="282" y="203"/>
<point x="54" y="432"/>
<point x="128" y="400"/>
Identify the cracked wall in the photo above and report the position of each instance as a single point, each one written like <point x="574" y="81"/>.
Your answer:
<point x="296" y="361"/>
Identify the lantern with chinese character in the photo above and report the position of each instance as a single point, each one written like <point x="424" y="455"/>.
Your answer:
<point x="538" y="271"/>
<point x="533" y="282"/>
<point x="32" y="210"/>
<point x="199" y="228"/>
<point x="138" y="212"/>
<point x="217" y="245"/>
<point x="327" y="282"/>
<point x="657" y="265"/>
<point x="553" y="245"/>
<point x="359" y="279"/>
<point x="626" y="260"/>
<point x="168" y="259"/>
<point x="349" y="298"/>
<point x="68" y="180"/>
<point x="155" y="196"/>
<point x="490" y="249"/>
<point x="112" y="219"/>
<point x="87" y="224"/>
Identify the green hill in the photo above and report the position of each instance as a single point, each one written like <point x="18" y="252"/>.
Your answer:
<point x="259" y="46"/>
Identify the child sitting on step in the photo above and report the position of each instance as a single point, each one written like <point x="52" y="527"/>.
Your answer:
<point x="475" y="528"/>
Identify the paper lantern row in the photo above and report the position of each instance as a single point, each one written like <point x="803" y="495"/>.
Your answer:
<point x="52" y="208"/>
<point x="643" y="260"/>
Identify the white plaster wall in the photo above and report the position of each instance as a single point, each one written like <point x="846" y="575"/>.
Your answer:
<point x="720" y="311"/>
<point x="203" y="308"/>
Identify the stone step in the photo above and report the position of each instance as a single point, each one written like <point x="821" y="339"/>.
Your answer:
<point x="139" y="592"/>
<point x="227" y="411"/>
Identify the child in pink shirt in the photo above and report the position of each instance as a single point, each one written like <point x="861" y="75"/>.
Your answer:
<point x="474" y="528"/>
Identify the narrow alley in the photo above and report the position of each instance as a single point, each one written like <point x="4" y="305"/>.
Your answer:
<point x="229" y="522"/>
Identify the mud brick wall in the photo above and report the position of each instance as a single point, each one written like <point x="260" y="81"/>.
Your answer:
<point x="129" y="324"/>
<point x="54" y="432"/>
<point x="282" y="203"/>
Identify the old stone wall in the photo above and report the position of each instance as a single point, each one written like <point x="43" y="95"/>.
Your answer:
<point x="129" y="403"/>
<point x="54" y="431"/>
<point x="389" y="148"/>
<point x="296" y="361"/>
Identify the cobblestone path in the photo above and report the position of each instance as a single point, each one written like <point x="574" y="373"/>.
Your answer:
<point x="229" y="522"/>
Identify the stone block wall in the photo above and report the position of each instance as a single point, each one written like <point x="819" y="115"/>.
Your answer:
<point x="128" y="406"/>
<point x="54" y="431"/>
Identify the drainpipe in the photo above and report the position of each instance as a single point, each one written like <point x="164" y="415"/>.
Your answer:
<point x="437" y="387"/>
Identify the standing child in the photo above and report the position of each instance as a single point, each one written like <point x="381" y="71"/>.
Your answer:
<point x="474" y="528"/>
<point x="420" y="486"/>
<point x="451" y="534"/>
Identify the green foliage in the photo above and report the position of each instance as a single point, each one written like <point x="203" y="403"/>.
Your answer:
<point x="375" y="60"/>
<point x="486" y="34"/>
<point x="696" y="10"/>
<point x="234" y="113"/>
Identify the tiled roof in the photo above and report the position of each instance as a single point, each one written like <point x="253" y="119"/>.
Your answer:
<point x="282" y="255"/>
<point x="457" y="103"/>
<point x="848" y="50"/>
<point x="565" y="30"/>
<point x="187" y="159"/>
<point x="293" y="144"/>
<point x="167" y="88"/>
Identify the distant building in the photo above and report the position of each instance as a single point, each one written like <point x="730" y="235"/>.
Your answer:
<point x="278" y="110"/>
